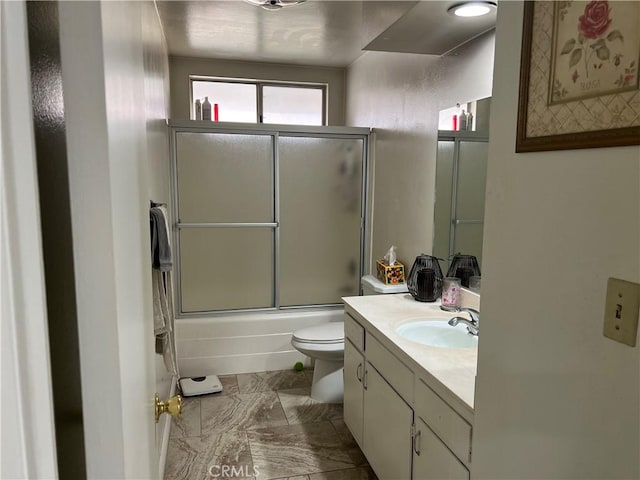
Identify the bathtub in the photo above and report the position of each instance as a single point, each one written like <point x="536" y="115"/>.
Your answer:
<point x="245" y="343"/>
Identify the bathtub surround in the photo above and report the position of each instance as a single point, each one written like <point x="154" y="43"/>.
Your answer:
<point x="244" y="343"/>
<point x="264" y="421"/>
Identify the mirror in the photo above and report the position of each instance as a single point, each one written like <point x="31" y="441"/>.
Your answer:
<point x="461" y="173"/>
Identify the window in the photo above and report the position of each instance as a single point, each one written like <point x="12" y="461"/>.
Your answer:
<point x="262" y="102"/>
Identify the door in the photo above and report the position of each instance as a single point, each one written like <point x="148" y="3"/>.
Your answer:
<point x="353" y="371"/>
<point x="387" y="428"/>
<point x="103" y="82"/>
<point x="432" y="460"/>
<point x="97" y="150"/>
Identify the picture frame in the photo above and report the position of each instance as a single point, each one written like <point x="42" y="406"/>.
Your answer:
<point x="574" y="92"/>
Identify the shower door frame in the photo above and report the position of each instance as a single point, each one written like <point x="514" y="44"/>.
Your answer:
<point x="274" y="131"/>
<point x="457" y="137"/>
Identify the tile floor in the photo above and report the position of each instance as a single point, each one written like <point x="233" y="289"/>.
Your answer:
<point x="263" y="426"/>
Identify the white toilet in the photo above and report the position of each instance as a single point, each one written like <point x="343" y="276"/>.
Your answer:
<point x="325" y="344"/>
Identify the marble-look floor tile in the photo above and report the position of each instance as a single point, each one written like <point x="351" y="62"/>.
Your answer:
<point x="241" y="411"/>
<point x="229" y="384"/>
<point x="361" y="473"/>
<point x="309" y="373"/>
<point x="297" y="450"/>
<point x="199" y="457"/>
<point x="299" y="407"/>
<point x="188" y="423"/>
<point x="297" y="477"/>
<point x="350" y="444"/>
<point x="270" y="381"/>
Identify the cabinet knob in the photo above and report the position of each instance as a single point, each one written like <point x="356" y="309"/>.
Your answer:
<point x="359" y="372"/>
<point x="364" y="379"/>
<point x="416" y="442"/>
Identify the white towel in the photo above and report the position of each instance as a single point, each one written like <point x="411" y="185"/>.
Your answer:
<point x="164" y="211"/>
<point x="161" y="301"/>
<point x="163" y="321"/>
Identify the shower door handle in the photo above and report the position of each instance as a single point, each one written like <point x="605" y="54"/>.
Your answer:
<point x="416" y="442"/>
<point x="457" y="221"/>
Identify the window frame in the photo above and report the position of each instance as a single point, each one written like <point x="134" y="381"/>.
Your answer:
<point x="260" y="84"/>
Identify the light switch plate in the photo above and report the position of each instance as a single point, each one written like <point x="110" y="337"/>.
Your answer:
<point x="621" y="311"/>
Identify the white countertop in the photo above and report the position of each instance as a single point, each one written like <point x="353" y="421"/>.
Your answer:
<point x="451" y="372"/>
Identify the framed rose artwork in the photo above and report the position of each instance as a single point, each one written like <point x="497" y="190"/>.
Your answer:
<point x="579" y="82"/>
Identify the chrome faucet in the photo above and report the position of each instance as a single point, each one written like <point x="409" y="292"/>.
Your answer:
<point x="473" y="325"/>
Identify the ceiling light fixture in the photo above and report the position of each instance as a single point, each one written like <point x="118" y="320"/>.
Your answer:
<point x="274" y="4"/>
<point x="472" y="9"/>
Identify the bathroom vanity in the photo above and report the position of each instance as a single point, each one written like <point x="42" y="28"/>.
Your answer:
<point x="408" y="405"/>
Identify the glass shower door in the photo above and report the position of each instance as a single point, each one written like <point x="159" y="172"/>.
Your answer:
<point x="469" y="204"/>
<point x="460" y="189"/>
<point x="226" y="225"/>
<point x="320" y="184"/>
<point x="267" y="218"/>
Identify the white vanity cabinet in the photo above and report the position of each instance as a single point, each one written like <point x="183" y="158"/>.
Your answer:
<point x="387" y="428"/>
<point x="353" y="389"/>
<point x="432" y="460"/>
<point x="379" y="419"/>
<point x="404" y="428"/>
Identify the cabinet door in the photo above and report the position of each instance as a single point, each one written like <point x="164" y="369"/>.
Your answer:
<point x="353" y="371"/>
<point x="432" y="460"/>
<point x="387" y="428"/>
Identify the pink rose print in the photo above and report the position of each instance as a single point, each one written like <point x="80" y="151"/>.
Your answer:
<point x="595" y="21"/>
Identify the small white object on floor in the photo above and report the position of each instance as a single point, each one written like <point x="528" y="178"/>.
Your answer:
<point x="200" y="385"/>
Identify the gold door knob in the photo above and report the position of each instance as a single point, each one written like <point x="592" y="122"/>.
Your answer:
<point x="172" y="406"/>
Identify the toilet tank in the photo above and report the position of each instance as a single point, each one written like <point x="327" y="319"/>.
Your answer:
<point x="372" y="286"/>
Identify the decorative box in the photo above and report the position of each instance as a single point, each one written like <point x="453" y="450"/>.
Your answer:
<point x="390" y="274"/>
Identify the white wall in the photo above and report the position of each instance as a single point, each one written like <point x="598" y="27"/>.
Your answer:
<point x="400" y="95"/>
<point x="28" y="443"/>
<point x="554" y="398"/>
<point x="182" y="67"/>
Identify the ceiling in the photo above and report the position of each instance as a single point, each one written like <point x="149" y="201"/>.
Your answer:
<point x="317" y="32"/>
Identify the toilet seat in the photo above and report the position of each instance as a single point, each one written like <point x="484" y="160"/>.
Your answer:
<point x="325" y="334"/>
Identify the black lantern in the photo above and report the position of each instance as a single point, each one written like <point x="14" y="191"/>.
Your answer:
<point x="464" y="267"/>
<point x="425" y="279"/>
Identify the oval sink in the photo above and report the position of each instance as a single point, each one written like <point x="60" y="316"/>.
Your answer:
<point x="437" y="333"/>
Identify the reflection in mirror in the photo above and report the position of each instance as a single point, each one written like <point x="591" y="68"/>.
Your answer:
<point x="461" y="170"/>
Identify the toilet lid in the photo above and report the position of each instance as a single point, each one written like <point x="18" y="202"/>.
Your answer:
<point x="326" y="333"/>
